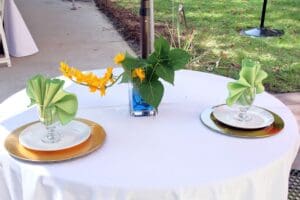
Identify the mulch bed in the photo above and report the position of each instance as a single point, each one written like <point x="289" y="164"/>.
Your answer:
<point x="127" y="23"/>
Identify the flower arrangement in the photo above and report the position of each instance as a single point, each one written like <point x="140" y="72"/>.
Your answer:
<point x="146" y="75"/>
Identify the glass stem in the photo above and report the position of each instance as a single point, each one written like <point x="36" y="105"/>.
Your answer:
<point x="50" y="132"/>
<point x="52" y="135"/>
<point x="243" y="113"/>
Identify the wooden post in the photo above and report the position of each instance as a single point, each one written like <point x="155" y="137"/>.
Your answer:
<point x="145" y="21"/>
<point x="152" y="26"/>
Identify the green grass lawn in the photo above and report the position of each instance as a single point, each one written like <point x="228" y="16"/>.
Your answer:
<point x="217" y="40"/>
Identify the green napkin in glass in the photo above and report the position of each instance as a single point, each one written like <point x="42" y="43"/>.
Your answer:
<point x="49" y="93"/>
<point x="251" y="77"/>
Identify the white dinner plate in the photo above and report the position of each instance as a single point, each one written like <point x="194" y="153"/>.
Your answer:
<point x="72" y="134"/>
<point x="260" y="117"/>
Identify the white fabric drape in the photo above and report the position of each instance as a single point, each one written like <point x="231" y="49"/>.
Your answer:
<point x="19" y="40"/>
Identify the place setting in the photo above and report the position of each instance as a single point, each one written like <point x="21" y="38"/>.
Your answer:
<point x="58" y="135"/>
<point x="239" y="117"/>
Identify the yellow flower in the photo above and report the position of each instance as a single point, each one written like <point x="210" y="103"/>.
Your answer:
<point x="90" y="80"/>
<point x="79" y="76"/>
<point x="139" y="72"/>
<point x="101" y="85"/>
<point x="119" y="58"/>
<point x="65" y="69"/>
<point x="108" y="76"/>
<point x="93" y="88"/>
<point x="63" y="66"/>
<point x="102" y="91"/>
<point x="93" y="82"/>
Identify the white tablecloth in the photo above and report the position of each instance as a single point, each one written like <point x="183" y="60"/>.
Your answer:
<point x="167" y="157"/>
<point x="19" y="40"/>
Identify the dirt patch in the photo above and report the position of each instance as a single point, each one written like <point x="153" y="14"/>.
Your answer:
<point x="127" y="23"/>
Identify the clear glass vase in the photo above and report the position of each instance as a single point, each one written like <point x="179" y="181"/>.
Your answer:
<point x="244" y="103"/>
<point x="48" y="117"/>
<point x="138" y="106"/>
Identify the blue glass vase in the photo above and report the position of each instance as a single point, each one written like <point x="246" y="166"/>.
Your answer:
<point x="138" y="106"/>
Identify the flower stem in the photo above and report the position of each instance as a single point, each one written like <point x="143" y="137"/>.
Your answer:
<point x="117" y="79"/>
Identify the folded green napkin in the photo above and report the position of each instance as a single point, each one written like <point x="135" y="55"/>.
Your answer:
<point x="49" y="93"/>
<point x="251" y="76"/>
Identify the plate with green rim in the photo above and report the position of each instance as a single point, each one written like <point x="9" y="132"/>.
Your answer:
<point x="212" y="123"/>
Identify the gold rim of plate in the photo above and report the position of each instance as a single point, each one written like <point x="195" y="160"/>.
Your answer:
<point x="16" y="150"/>
<point x="212" y="123"/>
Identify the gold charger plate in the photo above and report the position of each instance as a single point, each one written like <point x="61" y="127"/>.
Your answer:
<point x="211" y="122"/>
<point x="16" y="150"/>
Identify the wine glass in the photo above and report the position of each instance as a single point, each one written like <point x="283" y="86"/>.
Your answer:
<point x="244" y="103"/>
<point x="48" y="117"/>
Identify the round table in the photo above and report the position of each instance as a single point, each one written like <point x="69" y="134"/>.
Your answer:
<point x="169" y="156"/>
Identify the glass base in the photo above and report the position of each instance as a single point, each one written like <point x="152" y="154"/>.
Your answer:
<point x="142" y="113"/>
<point x="51" y="138"/>
<point x="243" y="117"/>
<point x="138" y="107"/>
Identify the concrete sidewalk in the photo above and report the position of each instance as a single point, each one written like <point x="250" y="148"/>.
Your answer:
<point x="83" y="37"/>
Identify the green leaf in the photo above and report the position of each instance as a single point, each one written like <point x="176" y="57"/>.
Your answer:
<point x="178" y="58"/>
<point x="150" y="74"/>
<point x="166" y="73"/>
<point x="152" y="92"/>
<point x="162" y="47"/>
<point x="130" y="62"/>
<point x="152" y="58"/>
